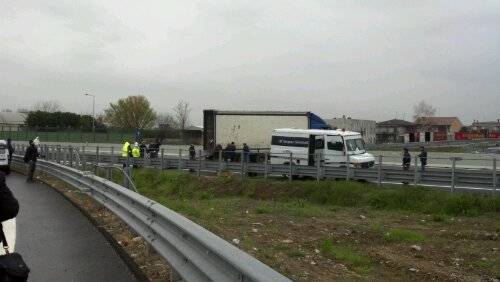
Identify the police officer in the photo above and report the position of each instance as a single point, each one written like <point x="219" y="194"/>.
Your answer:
<point x="126" y="152"/>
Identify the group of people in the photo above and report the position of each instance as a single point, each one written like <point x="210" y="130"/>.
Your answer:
<point x="229" y="152"/>
<point x="140" y="150"/>
<point x="407" y="158"/>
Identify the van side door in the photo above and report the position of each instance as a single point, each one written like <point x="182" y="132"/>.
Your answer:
<point x="335" y="150"/>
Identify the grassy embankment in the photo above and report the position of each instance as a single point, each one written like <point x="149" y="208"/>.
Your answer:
<point x="337" y="229"/>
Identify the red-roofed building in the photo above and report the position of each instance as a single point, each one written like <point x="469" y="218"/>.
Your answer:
<point x="438" y="128"/>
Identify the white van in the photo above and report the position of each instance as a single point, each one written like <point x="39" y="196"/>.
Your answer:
<point x="307" y="144"/>
<point x="4" y="157"/>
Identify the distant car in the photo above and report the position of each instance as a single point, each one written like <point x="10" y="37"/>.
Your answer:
<point x="4" y="157"/>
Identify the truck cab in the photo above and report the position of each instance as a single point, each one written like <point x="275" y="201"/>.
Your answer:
<point x="334" y="147"/>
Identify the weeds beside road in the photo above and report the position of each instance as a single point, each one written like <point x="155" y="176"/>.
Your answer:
<point x="340" y="230"/>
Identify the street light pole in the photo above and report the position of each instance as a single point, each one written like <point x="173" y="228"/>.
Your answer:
<point x="93" y="113"/>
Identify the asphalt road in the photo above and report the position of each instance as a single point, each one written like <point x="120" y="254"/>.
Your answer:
<point x="58" y="242"/>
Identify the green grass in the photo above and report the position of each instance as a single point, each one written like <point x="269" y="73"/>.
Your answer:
<point x="346" y="254"/>
<point x="308" y="198"/>
<point x="404" y="235"/>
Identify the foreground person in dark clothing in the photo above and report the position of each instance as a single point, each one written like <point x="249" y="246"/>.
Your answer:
<point x="9" y="206"/>
<point x="30" y="158"/>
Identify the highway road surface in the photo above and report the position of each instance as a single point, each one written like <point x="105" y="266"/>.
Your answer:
<point x="58" y="242"/>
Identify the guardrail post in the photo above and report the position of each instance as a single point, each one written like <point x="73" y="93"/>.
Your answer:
<point x="415" y="180"/>
<point x="58" y="154"/>
<point x="96" y="159"/>
<point x="108" y="173"/>
<point x="290" y="177"/>
<point x="112" y="155"/>
<point x="179" y="165"/>
<point x="126" y="172"/>
<point x="162" y="161"/>
<point x="453" y="165"/>
<point x="318" y="166"/>
<point x="83" y="159"/>
<point x="219" y="155"/>
<point x="242" y="164"/>
<point x="199" y="163"/>
<point x="70" y="156"/>
<point x="348" y="167"/>
<point x="379" y="177"/>
<point x="266" y="157"/>
<point x="494" y="175"/>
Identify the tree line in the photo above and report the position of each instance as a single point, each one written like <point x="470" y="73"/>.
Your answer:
<point x="61" y="120"/>
<point x="129" y="113"/>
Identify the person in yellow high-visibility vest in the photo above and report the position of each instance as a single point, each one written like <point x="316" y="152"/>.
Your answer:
<point x="126" y="152"/>
<point x="125" y="149"/>
<point x="136" y="152"/>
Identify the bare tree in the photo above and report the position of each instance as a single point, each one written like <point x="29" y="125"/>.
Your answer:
<point x="166" y="120"/>
<point x="50" y="106"/>
<point x="182" y="111"/>
<point x="422" y="110"/>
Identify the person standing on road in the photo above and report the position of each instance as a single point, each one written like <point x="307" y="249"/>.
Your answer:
<point x="406" y="159"/>
<point x="136" y="151"/>
<point x="10" y="149"/>
<point x="30" y="158"/>
<point x="232" y="152"/>
<point x="217" y="150"/>
<point x="126" y="152"/>
<point x="192" y="152"/>
<point x="246" y="152"/>
<point x="423" y="158"/>
<point x="143" y="148"/>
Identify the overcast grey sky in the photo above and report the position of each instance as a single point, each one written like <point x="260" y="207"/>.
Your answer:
<point x="365" y="59"/>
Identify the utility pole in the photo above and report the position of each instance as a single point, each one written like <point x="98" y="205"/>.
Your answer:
<point x="93" y="114"/>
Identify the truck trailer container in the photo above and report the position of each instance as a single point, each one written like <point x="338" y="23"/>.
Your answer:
<point x="255" y="128"/>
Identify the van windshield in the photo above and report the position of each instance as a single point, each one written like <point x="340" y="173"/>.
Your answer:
<point x="354" y="145"/>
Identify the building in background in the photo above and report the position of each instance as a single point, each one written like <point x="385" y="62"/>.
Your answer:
<point x="12" y="121"/>
<point x="480" y="130"/>
<point x="395" y="131"/>
<point x="438" y="128"/>
<point x="485" y="126"/>
<point x="366" y="127"/>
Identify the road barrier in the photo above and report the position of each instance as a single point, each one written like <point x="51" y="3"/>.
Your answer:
<point x="194" y="253"/>
<point x="451" y="177"/>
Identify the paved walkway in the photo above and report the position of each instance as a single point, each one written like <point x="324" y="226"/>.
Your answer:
<point x="59" y="243"/>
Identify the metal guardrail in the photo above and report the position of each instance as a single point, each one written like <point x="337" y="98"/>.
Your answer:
<point x="194" y="253"/>
<point x="385" y="170"/>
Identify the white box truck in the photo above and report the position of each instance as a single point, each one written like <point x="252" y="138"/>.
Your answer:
<point x="254" y="128"/>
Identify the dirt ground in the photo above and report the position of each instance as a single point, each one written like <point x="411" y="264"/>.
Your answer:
<point x="458" y="249"/>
